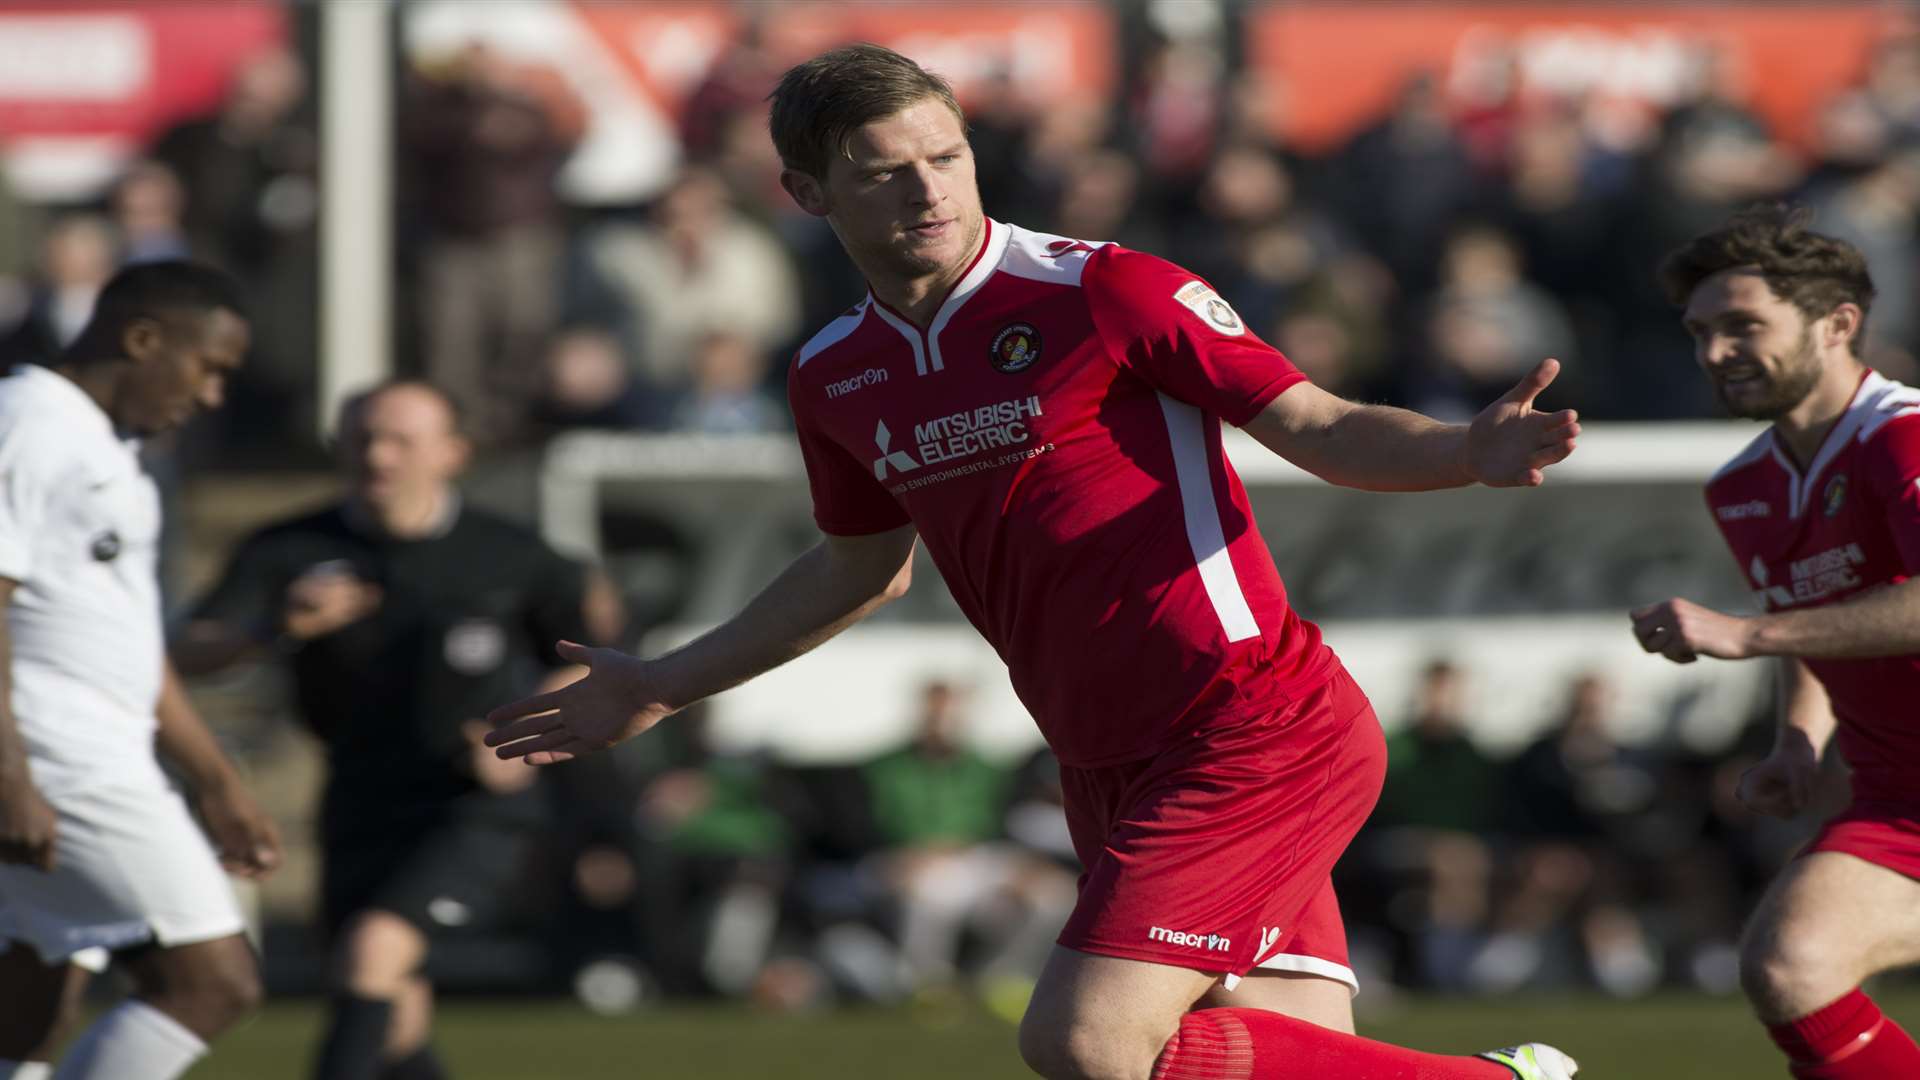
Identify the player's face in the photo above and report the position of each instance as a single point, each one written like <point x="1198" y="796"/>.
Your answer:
<point x="182" y="363"/>
<point x="904" y="199"/>
<point x="401" y="447"/>
<point x="1756" y="348"/>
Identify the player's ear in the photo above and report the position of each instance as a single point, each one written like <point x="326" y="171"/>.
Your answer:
<point x="807" y="192"/>
<point x="1843" y="322"/>
<point x="142" y="338"/>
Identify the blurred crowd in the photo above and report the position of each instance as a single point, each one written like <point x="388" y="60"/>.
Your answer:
<point x="1475" y="227"/>
<point x="688" y="868"/>
<point x="236" y="188"/>
<point x="1579" y="861"/>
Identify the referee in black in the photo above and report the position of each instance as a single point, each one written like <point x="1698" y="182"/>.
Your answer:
<point x="404" y="616"/>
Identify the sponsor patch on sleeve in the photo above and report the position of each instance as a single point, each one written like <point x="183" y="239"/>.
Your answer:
<point x="1215" y="312"/>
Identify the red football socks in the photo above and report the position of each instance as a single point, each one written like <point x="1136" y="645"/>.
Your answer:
<point x="1849" y="1039"/>
<point x="1253" y="1044"/>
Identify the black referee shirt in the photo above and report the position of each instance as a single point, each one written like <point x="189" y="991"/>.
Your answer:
<point x="467" y="621"/>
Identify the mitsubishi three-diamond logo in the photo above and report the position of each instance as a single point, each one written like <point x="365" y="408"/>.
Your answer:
<point x="899" y="459"/>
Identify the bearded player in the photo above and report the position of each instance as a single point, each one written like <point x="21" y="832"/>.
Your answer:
<point x="1822" y="512"/>
<point x="1045" y="414"/>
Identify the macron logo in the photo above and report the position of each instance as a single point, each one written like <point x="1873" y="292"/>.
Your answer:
<point x="869" y="377"/>
<point x="1757" y="508"/>
<point x="1269" y="937"/>
<point x="1209" y="942"/>
<point x="900" y="460"/>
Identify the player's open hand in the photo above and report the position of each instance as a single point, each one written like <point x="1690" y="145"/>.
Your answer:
<point x="246" y="839"/>
<point x="28" y="824"/>
<point x="1781" y="785"/>
<point x="616" y="701"/>
<point x="1683" y="631"/>
<point x="1510" y="444"/>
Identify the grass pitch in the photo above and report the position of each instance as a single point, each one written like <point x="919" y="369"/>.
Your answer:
<point x="1670" y="1037"/>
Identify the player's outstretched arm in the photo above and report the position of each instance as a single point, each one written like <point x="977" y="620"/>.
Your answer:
<point x="1379" y="448"/>
<point x="837" y="583"/>
<point x="1881" y="622"/>
<point x="319" y="602"/>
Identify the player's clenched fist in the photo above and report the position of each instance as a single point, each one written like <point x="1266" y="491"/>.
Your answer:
<point x="325" y="599"/>
<point x="27" y="824"/>
<point x="1781" y="784"/>
<point x="1683" y="631"/>
<point x="245" y="837"/>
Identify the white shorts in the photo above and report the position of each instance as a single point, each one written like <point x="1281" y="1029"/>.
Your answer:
<point x="131" y="867"/>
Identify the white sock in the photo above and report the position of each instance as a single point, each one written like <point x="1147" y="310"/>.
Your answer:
<point x="25" y="1070"/>
<point x="135" y="1041"/>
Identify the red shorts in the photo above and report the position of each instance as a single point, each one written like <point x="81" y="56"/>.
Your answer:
<point x="1885" y="834"/>
<point x="1215" y="854"/>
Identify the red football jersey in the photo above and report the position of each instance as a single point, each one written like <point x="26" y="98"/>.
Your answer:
<point x="1055" y="439"/>
<point x="1849" y="524"/>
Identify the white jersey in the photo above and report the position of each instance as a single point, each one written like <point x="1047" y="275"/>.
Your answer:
<point x="79" y="531"/>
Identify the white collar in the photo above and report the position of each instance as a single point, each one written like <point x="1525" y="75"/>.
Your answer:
<point x="65" y="395"/>
<point x="926" y="347"/>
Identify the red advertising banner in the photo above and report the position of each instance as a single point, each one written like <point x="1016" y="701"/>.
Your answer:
<point x="1342" y="63"/>
<point x="634" y="66"/>
<point x="86" y="82"/>
<point x="665" y="49"/>
<point x="1047" y="50"/>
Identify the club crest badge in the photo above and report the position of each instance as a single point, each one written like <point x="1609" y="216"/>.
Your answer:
<point x="475" y="646"/>
<point x="1836" y="494"/>
<point x="1200" y="299"/>
<point x="1015" y="348"/>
